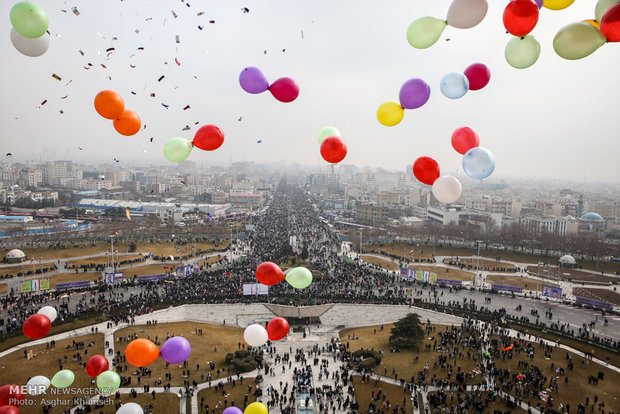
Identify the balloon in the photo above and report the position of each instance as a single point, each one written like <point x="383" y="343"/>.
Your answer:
<point x="109" y="104"/>
<point x="578" y="40"/>
<point x="454" y="85"/>
<point x="557" y="4"/>
<point x="520" y="17"/>
<point x="601" y="8"/>
<point x="232" y="410"/>
<point x="390" y="113"/>
<point x="464" y="139"/>
<point x="49" y="311"/>
<point x="36" y="326"/>
<point x="63" y="378"/>
<point x="11" y="394"/>
<point x="478" y="163"/>
<point x="593" y="23"/>
<point x="177" y="149"/>
<point x="176" y="350"/>
<point x="465" y="14"/>
<point x="522" y="53"/>
<point x="208" y="138"/>
<point x="256" y="408"/>
<point x="29" y="19"/>
<point x="328" y="131"/>
<point x="277" y="328"/>
<point x="30" y="47"/>
<point x="426" y="170"/>
<point x="141" y="352"/>
<point x="333" y="150"/>
<point x="252" y="80"/>
<point x="610" y="24"/>
<point x="37" y="385"/>
<point x="130" y="408"/>
<point x="284" y="90"/>
<point x="299" y="277"/>
<point x="447" y="189"/>
<point x="255" y="335"/>
<point x="414" y="93"/>
<point x="108" y="382"/>
<point x="478" y="76"/>
<point x="539" y="3"/>
<point x="96" y="364"/>
<point x="269" y="273"/>
<point x="425" y="31"/>
<point x="128" y="123"/>
<point x="9" y="409"/>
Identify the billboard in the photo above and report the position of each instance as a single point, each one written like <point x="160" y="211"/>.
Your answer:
<point x="73" y="285"/>
<point x="110" y="278"/>
<point x="255" y="289"/>
<point x="552" y="291"/>
<point x="151" y="278"/>
<point x="44" y="284"/>
<point x="594" y="303"/>
<point x="507" y="288"/>
<point x="450" y="282"/>
<point x="183" y="271"/>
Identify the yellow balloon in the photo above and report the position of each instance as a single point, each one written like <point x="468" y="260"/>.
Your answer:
<point x="594" y="23"/>
<point x="390" y="113"/>
<point x="557" y="4"/>
<point x="256" y="408"/>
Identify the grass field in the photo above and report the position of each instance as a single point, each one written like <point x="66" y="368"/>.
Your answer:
<point x="232" y="395"/>
<point x="99" y="260"/>
<point x="518" y="281"/>
<point x="215" y="342"/>
<point x="395" y="395"/>
<point x="13" y="270"/>
<point x="4" y="288"/>
<point x="486" y="264"/>
<point x="599" y="294"/>
<point x="72" y="277"/>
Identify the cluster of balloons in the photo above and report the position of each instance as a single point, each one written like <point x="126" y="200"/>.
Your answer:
<point x="107" y="381"/>
<point x="110" y="105"/>
<point x="520" y="18"/>
<point x="207" y="138"/>
<point x="413" y="94"/>
<point x="332" y="146"/>
<point x="39" y="324"/>
<point x="446" y="188"/>
<point x="29" y="33"/>
<point x="455" y="85"/>
<point x="477" y="162"/>
<point x="256" y="335"/>
<point x="252" y="80"/>
<point x="462" y="14"/>
<point x="142" y="352"/>
<point x="581" y="39"/>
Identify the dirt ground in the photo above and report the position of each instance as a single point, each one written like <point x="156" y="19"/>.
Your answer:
<point x="396" y="397"/>
<point x="231" y="395"/>
<point x="574" y="275"/>
<point x="598" y="294"/>
<point x="442" y="272"/>
<point x="497" y="404"/>
<point x="486" y="264"/>
<point x="518" y="281"/>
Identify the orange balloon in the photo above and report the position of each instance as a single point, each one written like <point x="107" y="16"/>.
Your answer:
<point x="593" y="23"/>
<point x="128" y="123"/>
<point x="141" y="352"/>
<point x="109" y="104"/>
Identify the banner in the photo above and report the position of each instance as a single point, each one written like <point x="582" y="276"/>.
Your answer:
<point x="111" y="278"/>
<point x="406" y="273"/>
<point x="552" y="291"/>
<point x="26" y="287"/>
<point x="450" y="282"/>
<point x="419" y="275"/>
<point x="507" y="288"/>
<point x="433" y="277"/>
<point x="255" y="289"/>
<point x="151" y="278"/>
<point x="594" y="303"/>
<point x="73" y="285"/>
<point x="183" y="271"/>
<point x="44" y="284"/>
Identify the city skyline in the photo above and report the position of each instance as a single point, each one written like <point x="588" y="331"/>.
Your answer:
<point x="345" y="71"/>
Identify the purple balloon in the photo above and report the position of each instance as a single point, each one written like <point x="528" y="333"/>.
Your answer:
<point x="414" y="93"/>
<point x="232" y="410"/>
<point x="252" y="80"/>
<point x="539" y="3"/>
<point x="175" y="350"/>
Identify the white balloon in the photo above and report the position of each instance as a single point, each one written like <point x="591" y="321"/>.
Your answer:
<point x="50" y="312"/>
<point x="447" y="189"/>
<point x="255" y="335"/>
<point x="37" y="385"/>
<point x="130" y="408"/>
<point x="30" y="47"/>
<point x="464" y="14"/>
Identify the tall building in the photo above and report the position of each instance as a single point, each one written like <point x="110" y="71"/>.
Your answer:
<point x="53" y="172"/>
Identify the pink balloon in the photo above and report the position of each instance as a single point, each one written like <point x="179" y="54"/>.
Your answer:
<point x="284" y="90"/>
<point x="478" y="75"/>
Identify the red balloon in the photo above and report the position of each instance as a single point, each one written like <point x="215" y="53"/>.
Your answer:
<point x="610" y="23"/>
<point x="478" y="75"/>
<point x="208" y="138"/>
<point x="277" y="328"/>
<point x="284" y="90"/>
<point x="36" y="326"/>
<point x="11" y="394"/>
<point x="426" y="170"/>
<point x="9" y="409"/>
<point x="520" y="17"/>
<point x="95" y="365"/>
<point x="333" y="149"/>
<point x="464" y="139"/>
<point x="269" y="273"/>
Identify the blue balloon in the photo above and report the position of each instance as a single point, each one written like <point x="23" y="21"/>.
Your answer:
<point x="478" y="163"/>
<point x="454" y="85"/>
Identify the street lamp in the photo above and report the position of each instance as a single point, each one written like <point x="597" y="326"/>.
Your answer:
<point x="112" y="250"/>
<point x="360" y="255"/>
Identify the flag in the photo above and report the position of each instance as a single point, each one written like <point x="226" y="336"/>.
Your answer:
<point x="411" y="251"/>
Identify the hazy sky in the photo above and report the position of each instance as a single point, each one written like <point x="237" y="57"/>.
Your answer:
<point x="556" y="119"/>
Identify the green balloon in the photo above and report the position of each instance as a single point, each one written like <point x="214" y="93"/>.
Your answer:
<point x="328" y="131"/>
<point x="425" y="31"/>
<point x="63" y="378"/>
<point x="29" y="19"/>
<point x="299" y="277"/>
<point x="601" y="8"/>
<point x="108" y="382"/>
<point x="523" y="52"/>
<point x="578" y="40"/>
<point x="177" y="149"/>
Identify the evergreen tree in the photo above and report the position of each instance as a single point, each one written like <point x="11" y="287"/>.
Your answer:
<point x="407" y="333"/>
